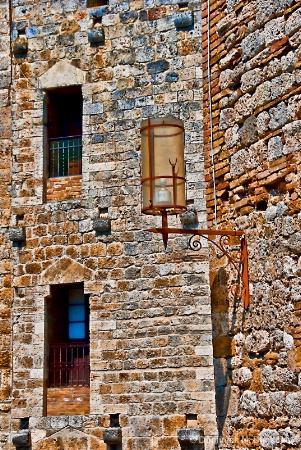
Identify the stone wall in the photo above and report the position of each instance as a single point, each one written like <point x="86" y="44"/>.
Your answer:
<point x="5" y="245"/>
<point x="253" y="184"/>
<point x="150" y="316"/>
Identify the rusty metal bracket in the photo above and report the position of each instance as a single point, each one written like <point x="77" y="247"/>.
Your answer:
<point x="239" y="261"/>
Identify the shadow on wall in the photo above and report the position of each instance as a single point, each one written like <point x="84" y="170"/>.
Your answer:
<point x="224" y="318"/>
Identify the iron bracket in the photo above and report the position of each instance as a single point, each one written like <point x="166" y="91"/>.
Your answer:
<point x="239" y="260"/>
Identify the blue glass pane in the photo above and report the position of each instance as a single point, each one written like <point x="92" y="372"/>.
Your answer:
<point x="76" y="313"/>
<point x="77" y="330"/>
<point x="76" y="297"/>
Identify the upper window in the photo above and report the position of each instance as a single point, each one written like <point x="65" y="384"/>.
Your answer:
<point x="91" y="3"/>
<point x="64" y="129"/>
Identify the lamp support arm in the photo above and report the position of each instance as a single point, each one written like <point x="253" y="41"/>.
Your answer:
<point x="239" y="261"/>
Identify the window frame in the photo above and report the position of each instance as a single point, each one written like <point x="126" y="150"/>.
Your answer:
<point x="63" y="131"/>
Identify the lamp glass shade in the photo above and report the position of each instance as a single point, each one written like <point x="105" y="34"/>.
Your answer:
<point x="163" y="169"/>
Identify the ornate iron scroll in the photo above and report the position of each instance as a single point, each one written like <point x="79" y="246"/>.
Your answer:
<point x="238" y="260"/>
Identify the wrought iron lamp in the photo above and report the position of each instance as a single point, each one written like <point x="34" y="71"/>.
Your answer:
<point x="163" y="191"/>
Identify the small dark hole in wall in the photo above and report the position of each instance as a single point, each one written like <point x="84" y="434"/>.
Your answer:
<point x="97" y="21"/>
<point x="92" y="3"/>
<point x="262" y="206"/>
<point x="235" y="86"/>
<point x="277" y="188"/>
<point x="189" y="202"/>
<point x="191" y="420"/>
<point x="20" y="219"/>
<point x="183" y="5"/>
<point x="225" y="196"/>
<point x="103" y="210"/>
<point x="191" y="416"/>
<point x="114" y="420"/>
<point x="24" y="423"/>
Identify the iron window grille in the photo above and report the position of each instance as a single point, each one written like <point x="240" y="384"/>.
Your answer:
<point x="69" y="365"/>
<point x="65" y="156"/>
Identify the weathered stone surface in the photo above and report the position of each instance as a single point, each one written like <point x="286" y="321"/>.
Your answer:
<point x="242" y="376"/>
<point x="112" y="435"/>
<point x="97" y="13"/>
<point x="157" y="66"/>
<point x="61" y="74"/>
<point x="17" y="234"/>
<point x="257" y="342"/>
<point x="269" y="438"/>
<point x="145" y="352"/>
<point x="183" y="19"/>
<point x="192" y="438"/>
<point x="293" y="404"/>
<point x="102" y="225"/>
<point x="294" y="243"/>
<point x="248" y="402"/>
<point x="96" y="35"/>
<point x="22" y="439"/>
<point x="189" y="217"/>
<point x="20" y="45"/>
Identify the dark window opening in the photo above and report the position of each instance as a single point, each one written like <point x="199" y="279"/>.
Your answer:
<point x="68" y="336"/>
<point x="64" y="128"/>
<point x="183" y="5"/>
<point x="92" y="3"/>
<point x="114" y="420"/>
<point x="24" y="423"/>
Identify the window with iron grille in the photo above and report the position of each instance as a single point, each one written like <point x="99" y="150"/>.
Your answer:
<point x="64" y="131"/>
<point x="92" y="3"/>
<point x="68" y="336"/>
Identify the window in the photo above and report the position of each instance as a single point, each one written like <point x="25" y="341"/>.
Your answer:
<point x="91" y="3"/>
<point x="64" y="129"/>
<point x="68" y="336"/>
<point x="76" y="315"/>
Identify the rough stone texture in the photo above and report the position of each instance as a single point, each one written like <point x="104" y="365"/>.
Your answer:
<point x="112" y="435"/>
<point x="21" y="439"/>
<point x="253" y="184"/>
<point x="150" y="315"/>
<point x="17" y="234"/>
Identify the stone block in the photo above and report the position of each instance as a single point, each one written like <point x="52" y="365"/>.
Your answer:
<point x="98" y="13"/>
<point x="293" y="22"/>
<point x="274" y="30"/>
<point x="32" y="32"/>
<point x="183" y="19"/>
<point x="20" y="45"/>
<point x="242" y="376"/>
<point x="293" y="404"/>
<point x="20" y="26"/>
<point x="191" y="438"/>
<point x="189" y="217"/>
<point x="112" y="435"/>
<point x="252" y="44"/>
<point x="102" y="225"/>
<point x="269" y="439"/>
<point x="157" y="66"/>
<point x="16" y="234"/>
<point x="96" y="36"/>
<point x="128" y="17"/>
<point x="21" y="439"/>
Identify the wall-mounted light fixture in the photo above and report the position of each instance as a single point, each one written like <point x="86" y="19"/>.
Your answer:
<point x="163" y="170"/>
<point x="163" y="191"/>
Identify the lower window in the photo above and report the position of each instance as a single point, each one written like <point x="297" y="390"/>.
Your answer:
<point x="68" y="336"/>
